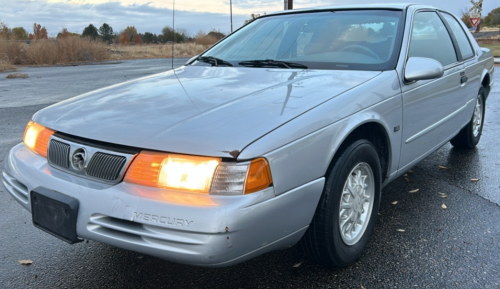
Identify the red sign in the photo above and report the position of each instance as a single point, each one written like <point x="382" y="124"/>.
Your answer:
<point x="474" y="21"/>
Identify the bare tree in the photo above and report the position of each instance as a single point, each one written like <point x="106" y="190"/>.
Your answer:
<point x="466" y="17"/>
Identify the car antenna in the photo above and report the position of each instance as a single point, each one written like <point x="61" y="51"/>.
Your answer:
<point x="173" y="31"/>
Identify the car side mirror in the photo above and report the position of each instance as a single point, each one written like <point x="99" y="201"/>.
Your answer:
<point x="421" y="68"/>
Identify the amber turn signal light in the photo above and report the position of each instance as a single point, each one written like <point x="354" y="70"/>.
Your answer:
<point x="145" y="169"/>
<point x="258" y="177"/>
<point x="36" y="137"/>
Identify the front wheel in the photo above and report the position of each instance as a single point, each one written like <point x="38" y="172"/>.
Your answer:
<point x="469" y="136"/>
<point x="347" y="211"/>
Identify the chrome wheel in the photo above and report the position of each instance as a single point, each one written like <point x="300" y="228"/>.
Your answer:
<point x="356" y="203"/>
<point x="477" y="119"/>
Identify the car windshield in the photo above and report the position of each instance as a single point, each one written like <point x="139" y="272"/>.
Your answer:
<point x="352" y="40"/>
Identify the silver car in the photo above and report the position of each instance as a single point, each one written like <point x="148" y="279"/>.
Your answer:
<point x="284" y="132"/>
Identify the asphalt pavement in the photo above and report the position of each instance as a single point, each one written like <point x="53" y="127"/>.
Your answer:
<point x="445" y="235"/>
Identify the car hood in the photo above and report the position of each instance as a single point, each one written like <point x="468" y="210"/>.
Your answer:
<point x="214" y="111"/>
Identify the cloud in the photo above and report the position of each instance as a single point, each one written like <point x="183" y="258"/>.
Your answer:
<point x="211" y="6"/>
<point x="76" y="16"/>
<point x="153" y="15"/>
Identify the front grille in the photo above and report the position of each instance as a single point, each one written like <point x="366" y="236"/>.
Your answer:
<point x="58" y="154"/>
<point x="101" y="165"/>
<point x="105" y="166"/>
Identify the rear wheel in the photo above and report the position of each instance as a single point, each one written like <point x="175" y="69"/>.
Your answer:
<point x="347" y="211"/>
<point x="470" y="135"/>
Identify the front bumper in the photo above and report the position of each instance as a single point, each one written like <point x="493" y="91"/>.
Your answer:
<point x="187" y="228"/>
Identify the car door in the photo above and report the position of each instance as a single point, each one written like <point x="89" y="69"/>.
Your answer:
<point x="430" y="106"/>
<point x="471" y="73"/>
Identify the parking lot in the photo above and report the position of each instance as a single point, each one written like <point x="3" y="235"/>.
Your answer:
<point x="445" y="235"/>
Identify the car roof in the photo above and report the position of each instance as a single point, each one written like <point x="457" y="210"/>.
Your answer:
<point x="397" y="6"/>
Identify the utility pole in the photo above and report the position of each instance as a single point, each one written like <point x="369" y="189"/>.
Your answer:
<point x="231" y="13"/>
<point x="173" y="31"/>
<point x="288" y="4"/>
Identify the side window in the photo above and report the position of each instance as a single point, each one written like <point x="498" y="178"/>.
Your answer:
<point x="430" y="39"/>
<point x="462" y="39"/>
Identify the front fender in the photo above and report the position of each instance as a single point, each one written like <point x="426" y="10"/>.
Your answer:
<point x="301" y="151"/>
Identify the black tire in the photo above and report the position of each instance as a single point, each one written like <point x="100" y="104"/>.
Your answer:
<point x="323" y="241"/>
<point x="467" y="138"/>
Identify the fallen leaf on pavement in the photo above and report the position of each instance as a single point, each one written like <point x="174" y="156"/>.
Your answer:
<point x="407" y="180"/>
<point x="298" y="264"/>
<point x="474" y="180"/>
<point x="443" y="167"/>
<point x="395" y="202"/>
<point x="442" y="195"/>
<point x="414" y="191"/>
<point x="444" y="206"/>
<point x="25" y="262"/>
<point x="400" y="230"/>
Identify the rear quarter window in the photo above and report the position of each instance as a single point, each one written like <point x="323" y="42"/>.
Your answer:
<point x="466" y="50"/>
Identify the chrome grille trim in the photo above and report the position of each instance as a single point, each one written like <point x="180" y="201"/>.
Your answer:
<point x="58" y="154"/>
<point x="105" y="166"/>
<point x="100" y="165"/>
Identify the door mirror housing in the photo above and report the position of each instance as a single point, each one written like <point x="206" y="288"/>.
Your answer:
<point x="421" y="68"/>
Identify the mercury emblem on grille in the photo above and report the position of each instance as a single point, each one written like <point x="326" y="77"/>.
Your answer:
<point x="78" y="159"/>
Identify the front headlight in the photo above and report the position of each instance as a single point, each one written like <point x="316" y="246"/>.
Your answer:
<point x="187" y="173"/>
<point x="36" y="137"/>
<point x="198" y="174"/>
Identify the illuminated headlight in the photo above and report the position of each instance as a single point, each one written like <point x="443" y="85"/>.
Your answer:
<point x="198" y="174"/>
<point x="193" y="174"/>
<point x="36" y="137"/>
<point x="186" y="173"/>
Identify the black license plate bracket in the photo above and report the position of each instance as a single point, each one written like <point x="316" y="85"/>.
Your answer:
<point x="55" y="213"/>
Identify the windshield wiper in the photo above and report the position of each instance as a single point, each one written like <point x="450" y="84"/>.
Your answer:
<point x="213" y="60"/>
<point x="271" y="62"/>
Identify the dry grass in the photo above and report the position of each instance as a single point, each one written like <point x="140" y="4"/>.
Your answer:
<point x="4" y="66"/>
<point x="50" y="52"/>
<point x="207" y="40"/>
<point x="156" y="50"/>
<point x="7" y="61"/>
<point x="495" y="48"/>
<point x="17" y="75"/>
<point x="75" y="49"/>
<point x="489" y="29"/>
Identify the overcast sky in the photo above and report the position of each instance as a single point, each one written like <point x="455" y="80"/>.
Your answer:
<point x="153" y="15"/>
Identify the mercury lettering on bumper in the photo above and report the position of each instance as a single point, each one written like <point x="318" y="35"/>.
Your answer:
<point x="160" y="220"/>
